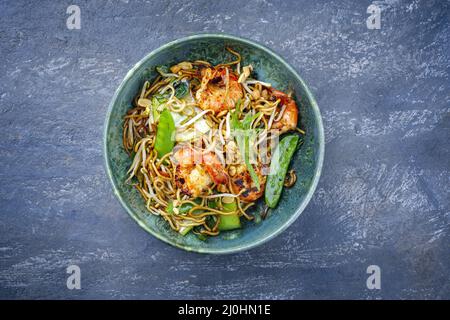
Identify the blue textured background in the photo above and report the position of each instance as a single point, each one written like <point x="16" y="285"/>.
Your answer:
<point x="384" y="195"/>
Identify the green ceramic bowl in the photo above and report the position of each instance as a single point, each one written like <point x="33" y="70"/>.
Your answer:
<point x="269" y="67"/>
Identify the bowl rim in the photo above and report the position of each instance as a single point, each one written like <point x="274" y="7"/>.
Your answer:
<point x="320" y="138"/>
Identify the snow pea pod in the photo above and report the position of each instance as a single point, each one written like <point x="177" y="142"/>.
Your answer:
<point x="278" y="169"/>
<point x="165" y="139"/>
<point x="244" y="127"/>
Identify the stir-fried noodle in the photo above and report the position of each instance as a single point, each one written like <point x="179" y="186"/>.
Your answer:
<point x="195" y="134"/>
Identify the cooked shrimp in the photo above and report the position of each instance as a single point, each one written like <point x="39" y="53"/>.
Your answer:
<point x="289" y="117"/>
<point x="219" y="89"/>
<point x="241" y="180"/>
<point x="195" y="173"/>
<point x="214" y="168"/>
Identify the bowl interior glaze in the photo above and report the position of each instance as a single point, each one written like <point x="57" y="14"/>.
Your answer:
<point x="268" y="67"/>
